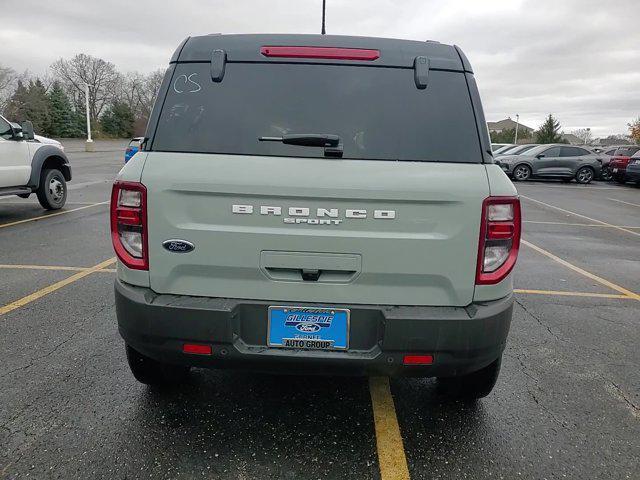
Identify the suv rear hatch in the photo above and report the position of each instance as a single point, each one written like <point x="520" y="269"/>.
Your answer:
<point x="394" y="220"/>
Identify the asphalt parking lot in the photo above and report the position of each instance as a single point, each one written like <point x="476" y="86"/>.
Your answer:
<point x="567" y="404"/>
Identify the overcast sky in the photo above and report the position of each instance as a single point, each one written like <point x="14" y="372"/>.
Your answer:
<point x="577" y="59"/>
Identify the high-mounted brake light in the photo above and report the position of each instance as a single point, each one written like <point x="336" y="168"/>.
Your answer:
<point x="499" y="239"/>
<point x="129" y="224"/>
<point x="326" y="53"/>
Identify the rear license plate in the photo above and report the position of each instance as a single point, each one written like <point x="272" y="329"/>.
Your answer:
<point x="308" y="328"/>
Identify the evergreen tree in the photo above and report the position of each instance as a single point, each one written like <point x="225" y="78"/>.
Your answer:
<point x="118" y="120"/>
<point x="549" y="131"/>
<point x="64" y="121"/>
<point x="16" y="109"/>
<point x="31" y="103"/>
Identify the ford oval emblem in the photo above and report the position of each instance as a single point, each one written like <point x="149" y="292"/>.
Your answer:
<point x="178" y="246"/>
<point x="308" y="327"/>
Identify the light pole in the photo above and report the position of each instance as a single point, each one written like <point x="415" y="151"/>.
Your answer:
<point x="517" y="124"/>
<point x="587" y="134"/>
<point x="89" y="147"/>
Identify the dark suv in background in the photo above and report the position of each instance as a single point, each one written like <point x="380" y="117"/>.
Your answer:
<point x="620" y="160"/>
<point x="564" y="162"/>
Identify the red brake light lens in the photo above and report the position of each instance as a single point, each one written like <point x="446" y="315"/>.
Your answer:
<point x="325" y="53"/>
<point x="499" y="239"/>
<point x="129" y="224"/>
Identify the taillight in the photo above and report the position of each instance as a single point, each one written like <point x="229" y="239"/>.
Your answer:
<point x="499" y="239"/>
<point x="326" y="53"/>
<point x="129" y="224"/>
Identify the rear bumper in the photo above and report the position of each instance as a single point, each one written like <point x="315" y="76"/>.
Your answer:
<point x="461" y="340"/>
<point x="632" y="174"/>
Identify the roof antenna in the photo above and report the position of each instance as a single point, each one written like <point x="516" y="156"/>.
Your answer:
<point x="324" y="6"/>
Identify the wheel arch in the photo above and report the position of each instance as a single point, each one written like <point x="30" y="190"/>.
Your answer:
<point x="48" y="156"/>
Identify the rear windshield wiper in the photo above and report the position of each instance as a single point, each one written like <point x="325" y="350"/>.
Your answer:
<point x="331" y="143"/>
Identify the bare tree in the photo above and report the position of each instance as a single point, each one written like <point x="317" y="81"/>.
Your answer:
<point x="102" y="77"/>
<point x="8" y="82"/>
<point x="583" y="134"/>
<point x="149" y="91"/>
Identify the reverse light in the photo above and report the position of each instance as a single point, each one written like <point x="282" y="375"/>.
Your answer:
<point x="499" y="239"/>
<point x="326" y="53"/>
<point x="129" y="224"/>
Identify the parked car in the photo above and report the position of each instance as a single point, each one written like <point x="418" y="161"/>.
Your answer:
<point x="496" y="146"/>
<point x="28" y="166"/>
<point x="504" y="149"/>
<point x="633" y="168"/>
<point x="619" y="161"/>
<point x="293" y="239"/>
<point x="132" y="148"/>
<point x="519" y="150"/>
<point x="560" y="161"/>
<point x="605" y="155"/>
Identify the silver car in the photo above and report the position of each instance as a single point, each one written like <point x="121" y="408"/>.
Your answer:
<point x="565" y="162"/>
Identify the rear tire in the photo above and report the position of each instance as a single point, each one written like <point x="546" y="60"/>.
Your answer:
<point x="151" y="372"/>
<point x="521" y="173"/>
<point x="606" y="174"/>
<point x="585" y="175"/>
<point x="474" y="385"/>
<point x="52" y="192"/>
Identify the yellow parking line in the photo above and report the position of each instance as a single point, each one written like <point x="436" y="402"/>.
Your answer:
<point x="61" y="268"/>
<point x="581" y="216"/>
<point x="570" y="294"/>
<point x="18" y="222"/>
<point x="391" y="456"/>
<point x="583" y="272"/>
<point x="622" y="201"/>
<point x="53" y="287"/>
<point x="579" y="224"/>
<point x="43" y="267"/>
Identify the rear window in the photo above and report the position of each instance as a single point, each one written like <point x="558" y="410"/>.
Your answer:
<point x="626" y="151"/>
<point x="378" y="113"/>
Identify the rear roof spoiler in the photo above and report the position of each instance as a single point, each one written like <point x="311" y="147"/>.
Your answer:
<point x="393" y="52"/>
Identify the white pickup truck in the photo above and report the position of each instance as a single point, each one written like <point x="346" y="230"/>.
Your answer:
<point x="31" y="164"/>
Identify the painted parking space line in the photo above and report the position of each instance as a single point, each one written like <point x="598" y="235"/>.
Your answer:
<point x="562" y="293"/>
<point x="53" y="287"/>
<point x="18" y="222"/>
<point x="567" y="187"/>
<point x="53" y="267"/>
<point x="583" y="272"/>
<point x="626" y="203"/>
<point x="568" y="224"/>
<point x="522" y="291"/>
<point x="391" y="456"/>
<point x="622" y="229"/>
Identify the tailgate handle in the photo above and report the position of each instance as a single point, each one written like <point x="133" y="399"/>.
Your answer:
<point x="309" y="275"/>
<point x="310" y="267"/>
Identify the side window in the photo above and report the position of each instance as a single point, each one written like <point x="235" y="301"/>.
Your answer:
<point x="572" y="152"/>
<point x="5" y="129"/>
<point x="552" y="152"/>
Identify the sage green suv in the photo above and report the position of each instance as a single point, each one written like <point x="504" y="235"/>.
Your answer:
<point x="317" y="204"/>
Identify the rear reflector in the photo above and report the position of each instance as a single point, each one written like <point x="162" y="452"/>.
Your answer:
<point x="417" y="360"/>
<point x="196" y="348"/>
<point x="326" y="53"/>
